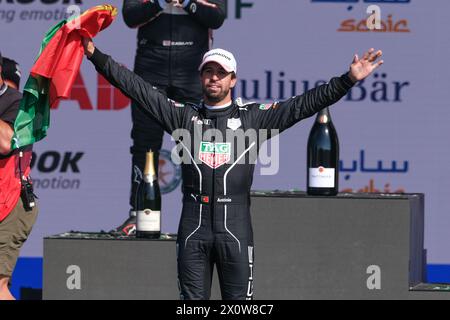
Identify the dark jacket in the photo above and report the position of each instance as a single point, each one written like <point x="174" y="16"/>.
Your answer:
<point x="171" y="42"/>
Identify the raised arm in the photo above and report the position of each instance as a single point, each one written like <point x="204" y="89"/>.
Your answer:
<point x="282" y="115"/>
<point x="150" y="100"/>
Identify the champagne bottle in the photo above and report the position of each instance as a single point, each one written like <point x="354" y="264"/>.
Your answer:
<point x="149" y="203"/>
<point x="323" y="157"/>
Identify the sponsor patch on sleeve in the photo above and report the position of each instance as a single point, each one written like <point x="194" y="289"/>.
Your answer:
<point x="176" y="104"/>
<point x="265" y="106"/>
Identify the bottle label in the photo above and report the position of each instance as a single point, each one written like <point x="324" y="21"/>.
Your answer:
<point x="321" y="177"/>
<point x="148" y="220"/>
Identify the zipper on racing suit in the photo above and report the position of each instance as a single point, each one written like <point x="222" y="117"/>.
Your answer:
<point x="212" y="195"/>
<point x="169" y="82"/>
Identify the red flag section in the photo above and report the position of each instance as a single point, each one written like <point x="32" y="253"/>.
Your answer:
<point x="61" y="59"/>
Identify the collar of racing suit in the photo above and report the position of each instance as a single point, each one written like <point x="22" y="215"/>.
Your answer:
<point x="217" y="113"/>
<point x="218" y="107"/>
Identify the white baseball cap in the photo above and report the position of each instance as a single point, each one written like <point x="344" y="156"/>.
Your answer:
<point x="222" y="57"/>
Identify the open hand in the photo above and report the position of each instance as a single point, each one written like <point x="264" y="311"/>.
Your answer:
<point x="361" y="68"/>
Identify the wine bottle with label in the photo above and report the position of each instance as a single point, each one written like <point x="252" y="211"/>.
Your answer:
<point x="148" y="213"/>
<point x="323" y="157"/>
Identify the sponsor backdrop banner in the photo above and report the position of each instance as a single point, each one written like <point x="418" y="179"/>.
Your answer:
<point x="392" y="127"/>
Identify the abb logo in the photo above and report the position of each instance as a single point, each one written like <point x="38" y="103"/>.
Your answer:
<point x="109" y="98"/>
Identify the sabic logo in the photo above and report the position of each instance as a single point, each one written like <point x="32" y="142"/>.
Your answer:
<point x="365" y="25"/>
<point x="74" y="280"/>
<point x="374" y="280"/>
<point x="373" y="23"/>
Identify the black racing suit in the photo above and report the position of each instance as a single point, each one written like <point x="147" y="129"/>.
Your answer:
<point x="215" y="225"/>
<point x="170" y="47"/>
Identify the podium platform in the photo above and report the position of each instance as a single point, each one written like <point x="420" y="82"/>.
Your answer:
<point x="351" y="246"/>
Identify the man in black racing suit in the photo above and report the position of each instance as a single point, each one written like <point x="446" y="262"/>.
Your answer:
<point x="172" y="38"/>
<point x="215" y="226"/>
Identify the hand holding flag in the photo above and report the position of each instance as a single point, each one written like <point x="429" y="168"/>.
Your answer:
<point x="55" y="70"/>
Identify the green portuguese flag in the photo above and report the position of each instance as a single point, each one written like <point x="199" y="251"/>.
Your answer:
<point x="54" y="72"/>
<point x="33" y="118"/>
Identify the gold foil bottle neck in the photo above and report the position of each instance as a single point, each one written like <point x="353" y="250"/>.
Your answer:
<point x="150" y="165"/>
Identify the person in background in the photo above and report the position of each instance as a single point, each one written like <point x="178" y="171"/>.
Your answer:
<point x="18" y="209"/>
<point x="11" y="73"/>
<point x="173" y="36"/>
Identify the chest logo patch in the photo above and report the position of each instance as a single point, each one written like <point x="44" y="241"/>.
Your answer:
<point x="234" y="123"/>
<point x="214" y="154"/>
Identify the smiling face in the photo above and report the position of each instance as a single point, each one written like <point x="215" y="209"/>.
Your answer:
<point x="217" y="84"/>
